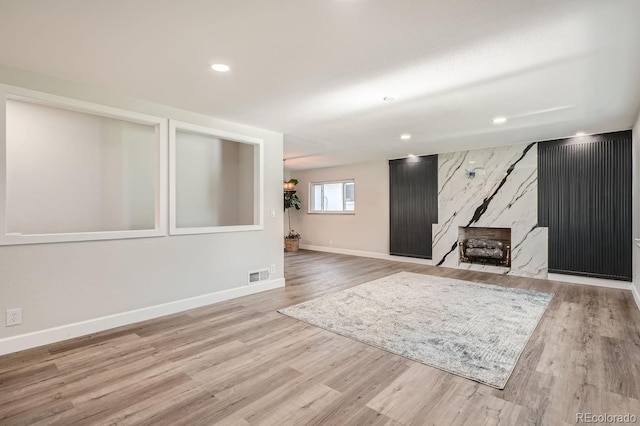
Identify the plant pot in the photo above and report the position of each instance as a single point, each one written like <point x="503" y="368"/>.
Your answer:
<point x="292" y="245"/>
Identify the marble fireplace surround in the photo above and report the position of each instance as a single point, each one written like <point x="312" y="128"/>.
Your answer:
<point x="492" y="187"/>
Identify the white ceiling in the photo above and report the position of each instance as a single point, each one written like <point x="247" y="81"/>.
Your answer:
<point x="317" y="70"/>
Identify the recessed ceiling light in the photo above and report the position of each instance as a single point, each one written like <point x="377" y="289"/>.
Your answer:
<point x="405" y="136"/>
<point x="389" y="98"/>
<point x="499" y="120"/>
<point x="580" y="133"/>
<point x="472" y="162"/>
<point x="220" y="67"/>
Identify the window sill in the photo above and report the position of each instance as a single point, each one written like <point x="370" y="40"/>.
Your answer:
<point x="333" y="213"/>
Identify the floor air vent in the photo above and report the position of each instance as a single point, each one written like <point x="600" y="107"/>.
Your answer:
<point x="257" y="276"/>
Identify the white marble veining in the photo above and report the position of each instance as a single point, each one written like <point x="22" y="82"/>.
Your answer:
<point x="505" y="196"/>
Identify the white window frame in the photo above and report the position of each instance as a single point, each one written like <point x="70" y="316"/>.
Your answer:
<point x="344" y="194"/>
<point x="174" y="126"/>
<point x="40" y="98"/>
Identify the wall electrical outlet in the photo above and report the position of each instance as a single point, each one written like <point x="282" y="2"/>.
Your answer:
<point x="272" y="270"/>
<point x="14" y="317"/>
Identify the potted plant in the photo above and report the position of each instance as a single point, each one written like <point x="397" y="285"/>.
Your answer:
<point x="291" y="200"/>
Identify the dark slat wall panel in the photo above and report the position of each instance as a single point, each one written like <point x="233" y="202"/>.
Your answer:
<point x="413" y="196"/>
<point x="584" y="197"/>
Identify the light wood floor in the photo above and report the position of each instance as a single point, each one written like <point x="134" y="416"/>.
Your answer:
<point x="240" y="362"/>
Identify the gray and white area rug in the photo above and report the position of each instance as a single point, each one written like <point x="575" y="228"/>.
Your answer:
<point x="477" y="331"/>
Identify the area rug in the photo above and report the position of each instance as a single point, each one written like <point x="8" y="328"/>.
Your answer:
<point x="477" y="331"/>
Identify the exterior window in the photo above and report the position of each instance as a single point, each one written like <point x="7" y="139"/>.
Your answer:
<point x="332" y="197"/>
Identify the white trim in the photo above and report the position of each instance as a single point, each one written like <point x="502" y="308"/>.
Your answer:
<point x="174" y="126"/>
<point x="598" y="282"/>
<point x="636" y="295"/>
<point x="19" y="239"/>
<point x="351" y="212"/>
<point x="70" y="331"/>
<point x="70" y="104"/>
<point x="371" y="254"/>
<point x="215" y="229"/>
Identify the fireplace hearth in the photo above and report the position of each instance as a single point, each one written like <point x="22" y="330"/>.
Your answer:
<point x="486" y="246"/>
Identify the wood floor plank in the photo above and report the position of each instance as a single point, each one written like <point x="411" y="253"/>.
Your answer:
<point x="320" y="372"/>
<point x="97" y="407"/>
<point x="240" y="362"/>
<point x="304" y="405"/>
<point x="416" y="390"/>
<point x="360" y="391"/>
<point x="152" y="410"/>
<point x="244" y="394"/>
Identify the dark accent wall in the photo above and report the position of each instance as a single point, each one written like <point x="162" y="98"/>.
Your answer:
<point x="413" y="203"/>
<point x="584" y="198"/>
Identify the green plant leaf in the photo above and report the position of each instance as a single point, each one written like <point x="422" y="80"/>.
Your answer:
<point x="291" y="200"/>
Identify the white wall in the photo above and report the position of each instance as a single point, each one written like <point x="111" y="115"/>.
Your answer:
<point x="248" y="161"/>
<point x="636" y="209"/>
<point x="367" y="230"/>
<point x="63" y="283"/>
<point x="215" y="181"/>
<point x="105" y="165"/>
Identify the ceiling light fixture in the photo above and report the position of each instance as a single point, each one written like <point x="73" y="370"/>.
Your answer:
<point x="405" y="136"/>
<point x="580" y="133"/>
<point x="499" y="120"/>
<point x="220" y="67"/>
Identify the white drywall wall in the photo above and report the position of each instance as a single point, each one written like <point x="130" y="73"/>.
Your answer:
<point x="64" y="283"/>
<point x="215" y="181"/>
<point x="75" y="172"/>
<point x="366" y="230"/>
<point x="636" y="210"/>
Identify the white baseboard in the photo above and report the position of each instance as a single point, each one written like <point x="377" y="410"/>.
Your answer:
<point x="574" y="279"/>
<point x="69" y="331"/>
<point x="371" y="254"/>
<point x="599" y="282"/>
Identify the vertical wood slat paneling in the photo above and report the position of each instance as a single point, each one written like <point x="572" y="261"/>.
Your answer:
<point x="413" y="205"/>
<point x="584" y="198"/>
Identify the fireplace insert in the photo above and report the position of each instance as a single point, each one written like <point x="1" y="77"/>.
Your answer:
<point x="485" y="245"/>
